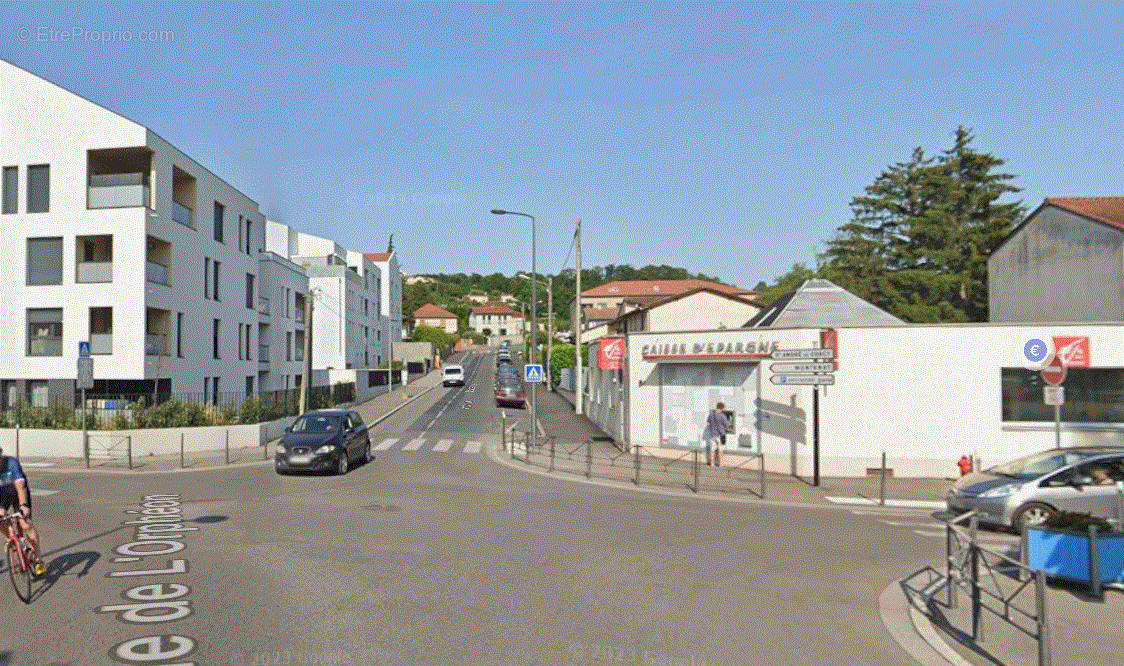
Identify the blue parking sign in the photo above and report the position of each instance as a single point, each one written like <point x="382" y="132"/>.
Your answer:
<point x="532" y="373"/>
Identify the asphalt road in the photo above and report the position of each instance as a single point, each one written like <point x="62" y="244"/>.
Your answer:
<point x="438" y="553"/>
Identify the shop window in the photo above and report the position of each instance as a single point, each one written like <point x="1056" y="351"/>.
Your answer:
<point x="1092" y="395"/>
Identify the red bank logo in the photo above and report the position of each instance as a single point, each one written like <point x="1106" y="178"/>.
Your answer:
<point x="610" y="354"/>
<point x="1073" y="351"/>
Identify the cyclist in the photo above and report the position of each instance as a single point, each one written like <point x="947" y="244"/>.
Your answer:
<point x="16" y="496"/>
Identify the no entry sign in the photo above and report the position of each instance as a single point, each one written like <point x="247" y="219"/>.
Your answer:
<point x="1054" y="373"/>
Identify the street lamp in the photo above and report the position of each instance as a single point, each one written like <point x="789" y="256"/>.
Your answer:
<point x="549" y="325"/>
<point x="534" y="323"/>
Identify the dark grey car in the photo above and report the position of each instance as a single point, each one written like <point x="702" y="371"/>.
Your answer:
<point x="323" y="440"/>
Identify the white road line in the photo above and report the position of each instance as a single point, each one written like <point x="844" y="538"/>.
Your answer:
<point x="443" y="445"/>
<point x="992" y="543"/>
<point x="414" y="445"/>
<point x="37" y="464"/>
<point x="895" y="523"/>
<point x="40" y="492"/>
<point x="472" y="447"/>
<point x="909" y="504"/>
<point x="385" y="444"/>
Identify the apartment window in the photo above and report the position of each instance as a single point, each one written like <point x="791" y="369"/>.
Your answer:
<point x="10" y="189"/>
<point x="215" y="338"/>
<point x="215" y="279"/>
<point x="215" y="390"/>
<point x="250" y="291"/>
<point x="44" y="261"/>
<point x="249" y="386"/>
<point x="37" y="393"/>
<point x="206" y="277"/>
<point x="220" y="212"/>
<point x="44" y="332"/>
<point x="249" y="340"/>
<point x="38" y="188"/>
<point x="241" y="332"/>
<point x="249" y="226"/>
<point x="101" y="330"/>
<point x="289" y="345"/>
<point x="179" y="334"/>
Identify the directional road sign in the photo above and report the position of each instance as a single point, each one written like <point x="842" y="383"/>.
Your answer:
<point x="818" y="352"/>
<point x="532" y="373"/>
<point x="805" y="380"/>
<point x="802" y="367"/>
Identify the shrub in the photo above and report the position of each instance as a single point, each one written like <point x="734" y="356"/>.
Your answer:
<point x="1072" y="521"/>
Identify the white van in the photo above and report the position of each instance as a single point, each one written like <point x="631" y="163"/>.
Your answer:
<point x="452" y="375"/>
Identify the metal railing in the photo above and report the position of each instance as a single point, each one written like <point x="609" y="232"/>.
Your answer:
<point x="108" y="448"/>
<point x="995" y="582"/>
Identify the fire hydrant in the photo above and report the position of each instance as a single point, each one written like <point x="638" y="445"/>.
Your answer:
<point x="965" y="465"/>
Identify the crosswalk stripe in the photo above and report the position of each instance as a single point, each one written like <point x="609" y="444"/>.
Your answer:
<point x="907" y="504"/>
<point x="472" y="447"/>
<point x="37" y="464"/>
<point x="386" y="444"/>
<point x="443" y="445"/>
<point x="414" y="445"/>
<point x="40" y="492"/>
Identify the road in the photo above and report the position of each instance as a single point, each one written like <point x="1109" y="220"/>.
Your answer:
<point x="437" y="552"/>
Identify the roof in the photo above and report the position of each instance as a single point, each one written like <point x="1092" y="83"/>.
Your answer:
<point x="1109" y="210"/>
<point x="495" y="308"/>
<point x="378" y="256"/>
<point x="821" y="303"/>
<point x="431" y="311"/>
<point x="660" y="288"/>
<point x="592" y="313"/>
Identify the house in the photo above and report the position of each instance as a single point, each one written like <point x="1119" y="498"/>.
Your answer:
<point x="624" y="295"/>
<point x="498" y="320"/>
<point x="1063" y="263"/>
<point x="437" y="317"/>
<point x="700" y="308"/>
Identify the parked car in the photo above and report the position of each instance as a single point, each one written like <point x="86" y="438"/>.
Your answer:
<point x="507" y="370"/>
<point x="1029" y="490"/>
<point x="510" y="392"/>
<point x="452" y="375"/>
<point x="325" y="439"/>
<point x="503" y="356"/>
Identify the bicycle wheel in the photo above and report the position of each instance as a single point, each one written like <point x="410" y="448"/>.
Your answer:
<point x="20" y="574"/>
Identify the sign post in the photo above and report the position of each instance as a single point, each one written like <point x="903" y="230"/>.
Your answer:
<point x="1054" y="374"/>
<point x="813" y="367"/>
<point x="85" y="380"/>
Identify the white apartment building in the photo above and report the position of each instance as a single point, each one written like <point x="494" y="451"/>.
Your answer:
<point x="496" y="319"/>
<point x="387" y="263"/>
<point x="283" y="286"/>
<point x="119" y="239"/>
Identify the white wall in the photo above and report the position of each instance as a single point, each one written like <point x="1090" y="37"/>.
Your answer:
<point x="698" y="310"/>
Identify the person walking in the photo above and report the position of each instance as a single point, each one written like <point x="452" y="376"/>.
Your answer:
<point x="717" y="423"/>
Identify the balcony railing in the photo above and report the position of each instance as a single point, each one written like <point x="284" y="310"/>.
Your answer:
<point x="263" y="353"/>
<point x="101" y="343"/>
<point x="154" y="272"/>
<point x="183" y="214"/>
<point x="95" y="271"/>
<point x="155" y="344"/>
<point x="263" y="305"/>
<point x="117" y="190"/>
<point x="45" y="347"/>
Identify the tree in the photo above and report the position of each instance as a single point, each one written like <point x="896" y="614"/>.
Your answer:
<point x="437" y="336"/>
<point x="918" y="241"/>
<point x="796" y="276"/>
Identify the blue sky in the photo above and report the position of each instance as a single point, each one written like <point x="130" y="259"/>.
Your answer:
<point x="727" y="139"/>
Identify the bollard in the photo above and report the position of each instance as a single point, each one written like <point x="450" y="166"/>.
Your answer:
<point x="1043" y="625"/>
<point x="552" y="454"/>
<point x="696" y="466"/>
<point x="882" y="485"/>
<point x="228" y="446"/>
<point x="1096" y="587"/>
<point x="762" y="455"/>
<point x="18" y="445"/>
<point x="588" y="458"/>
<point x="181" y="451"/>
<point x="636" y="451"/>
<point x="129" y="449"/>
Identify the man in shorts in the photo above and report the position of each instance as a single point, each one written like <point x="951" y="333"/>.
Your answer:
<point x="15" y="496"/>
<point x="717" y="423"/>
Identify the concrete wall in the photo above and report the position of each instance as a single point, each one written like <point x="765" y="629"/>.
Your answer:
<point x="1058" y="267"/>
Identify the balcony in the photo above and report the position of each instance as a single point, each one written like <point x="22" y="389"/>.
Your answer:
<point x="95" y="271"/>
<point x="117" y="190"/>
<point x="101" y="343"/>
<point x="263" y="353"/>
<point x="263" y="305"/>
<point x="154" y="272"/>
<point x="183" y="214"/>
<point x="155" y="344"/>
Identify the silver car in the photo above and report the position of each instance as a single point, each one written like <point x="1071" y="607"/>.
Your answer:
<point x="1029" y="490"/>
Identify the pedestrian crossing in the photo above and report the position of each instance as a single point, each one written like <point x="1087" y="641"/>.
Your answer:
<point x="932" y="528"/>
<point x="422" y="444"/>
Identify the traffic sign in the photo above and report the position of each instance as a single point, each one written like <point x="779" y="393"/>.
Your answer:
<point x="816" y="352"/>
<point x="803" y="380"/>
<point x="85" y="378"/>
<point x="1053" y="395"/>
<point x="83" y="349"/>
<point x="1054" y="373"/>
<point x="802" y="367"/>
<point x="532" y="373"/>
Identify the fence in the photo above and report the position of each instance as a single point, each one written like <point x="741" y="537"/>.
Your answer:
<point x="638" y="465"/>
<point x="995" y="582"/>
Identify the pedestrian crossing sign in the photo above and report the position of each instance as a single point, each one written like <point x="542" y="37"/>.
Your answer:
<point x="532" y="373"/>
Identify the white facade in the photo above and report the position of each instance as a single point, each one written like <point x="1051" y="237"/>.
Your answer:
<point x="447" y="324"/>
<point x="925" y="395"/>
<point x="689" y="312"/>
<point x="283" y="288"/>
<point x="391" y="300"/>
<point x="136" y="273"/>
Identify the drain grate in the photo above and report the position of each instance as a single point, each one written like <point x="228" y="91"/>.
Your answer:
<point x="389" y="508"/>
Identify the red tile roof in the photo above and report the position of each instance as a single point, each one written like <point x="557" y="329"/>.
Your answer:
<point x="600" y="314"/>
<point x="496" y="309"/>
<point x="378" y="256"/>
<point x="659" y="288"/>
<point x="1109" y="210"/>
<point x="431" y="311"/>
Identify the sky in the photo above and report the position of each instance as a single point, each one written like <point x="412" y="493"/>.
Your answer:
<point x="724" y="138"/>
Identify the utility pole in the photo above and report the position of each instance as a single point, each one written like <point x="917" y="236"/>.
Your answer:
<point x="306" y="380"/>
<point x="549" y="329"/>
<point x="577" y="323"/>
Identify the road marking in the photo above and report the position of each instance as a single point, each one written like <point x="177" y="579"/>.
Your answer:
<point x="40" y="492"/>
<point x="899" y="524"/>
<point x="385" y="444"/>
<point x="907" y="504"/>
<point x="472" y="447"/>
<point x="443" y="445"/>
<point x="37" y="464"/>
<point x="414" y="445"/>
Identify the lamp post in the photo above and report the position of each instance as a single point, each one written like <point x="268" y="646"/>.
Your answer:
<point x="534" y="321"/>
<point x="549" y="325"/>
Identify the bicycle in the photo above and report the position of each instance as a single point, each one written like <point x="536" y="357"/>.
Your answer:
<point x="21" y="557"/>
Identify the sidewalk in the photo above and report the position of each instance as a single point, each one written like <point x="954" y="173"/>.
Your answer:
<point x="372" y="411"/>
